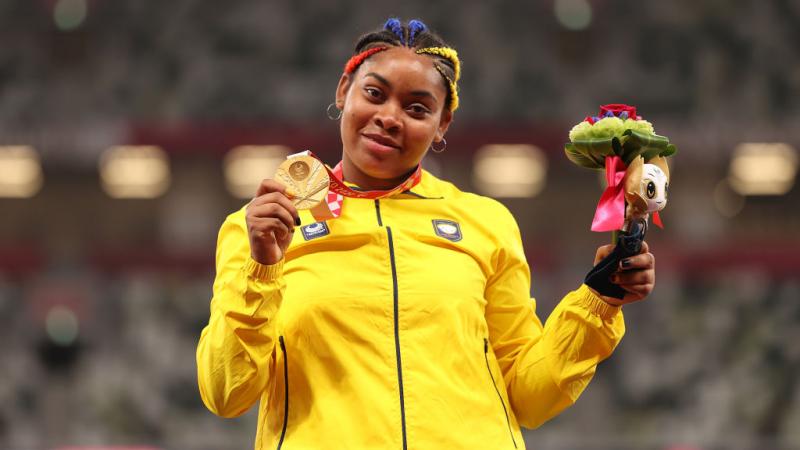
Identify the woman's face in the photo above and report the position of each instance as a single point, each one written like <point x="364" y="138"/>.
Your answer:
<point x="393" y="107"/>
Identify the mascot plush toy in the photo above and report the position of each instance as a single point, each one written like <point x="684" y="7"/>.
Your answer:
<point x="634" y="159"/>
<point x="646" y="187"/>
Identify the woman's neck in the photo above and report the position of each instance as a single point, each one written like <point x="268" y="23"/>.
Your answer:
<point x="352" y="174"/>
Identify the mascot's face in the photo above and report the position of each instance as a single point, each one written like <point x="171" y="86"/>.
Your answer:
<point x="654" y="186"/>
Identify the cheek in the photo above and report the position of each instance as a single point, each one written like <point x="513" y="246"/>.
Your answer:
<point x="352" y="120"/>
<point x="421" y="134"/>
<point x="359" y="109"/>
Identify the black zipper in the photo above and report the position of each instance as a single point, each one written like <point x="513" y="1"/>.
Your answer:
<point x="378" y="212"/>
<point x="395" y="298"/>
<point x="494" y="384"/>
<point x="285" y="391"/>
<point x="397" y="335"/>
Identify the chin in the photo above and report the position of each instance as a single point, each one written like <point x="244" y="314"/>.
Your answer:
<point x="378" y="165"/>
<point x="384" y="169"/>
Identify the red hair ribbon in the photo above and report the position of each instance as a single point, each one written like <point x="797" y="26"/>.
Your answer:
<point x="356" y="60"/>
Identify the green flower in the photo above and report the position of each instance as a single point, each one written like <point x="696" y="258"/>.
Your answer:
<point x="608" y="127"/>
<point x="641" y="126"/>
<point x="580" y="131"/>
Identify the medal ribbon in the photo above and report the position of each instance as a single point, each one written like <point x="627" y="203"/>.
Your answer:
<point x="337" y="190"/>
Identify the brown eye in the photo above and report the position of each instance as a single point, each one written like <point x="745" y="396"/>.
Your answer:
<point x="418" y="109"/>
<point x="666" y="190"/>
<point x="651" y="189"/>
<point x="372" y="92"/>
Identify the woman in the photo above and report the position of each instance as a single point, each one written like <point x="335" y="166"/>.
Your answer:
<point x="406" y="322"/>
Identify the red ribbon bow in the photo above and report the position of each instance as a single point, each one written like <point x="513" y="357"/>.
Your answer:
<point x="610" y="213"/>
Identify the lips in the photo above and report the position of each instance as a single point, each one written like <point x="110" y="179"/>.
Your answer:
<point x="383" y="141"/>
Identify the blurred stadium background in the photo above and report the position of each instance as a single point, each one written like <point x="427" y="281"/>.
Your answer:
<point x="121" y="122"/>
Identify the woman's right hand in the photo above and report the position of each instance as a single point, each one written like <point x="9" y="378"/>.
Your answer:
<point x="271" y="218"/>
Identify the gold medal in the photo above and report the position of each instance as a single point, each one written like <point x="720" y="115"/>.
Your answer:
<point x="306" y="180"/>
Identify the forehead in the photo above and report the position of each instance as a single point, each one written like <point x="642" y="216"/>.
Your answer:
<point x="402" y="66"/>
<point x="653" y="172"/>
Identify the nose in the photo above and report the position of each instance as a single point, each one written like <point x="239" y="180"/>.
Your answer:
<point x="388" y="117"/>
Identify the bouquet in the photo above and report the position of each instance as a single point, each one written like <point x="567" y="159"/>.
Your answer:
<point x="634" y="158"/>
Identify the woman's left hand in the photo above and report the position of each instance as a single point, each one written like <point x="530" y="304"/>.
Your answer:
<point x="636" y="274"/>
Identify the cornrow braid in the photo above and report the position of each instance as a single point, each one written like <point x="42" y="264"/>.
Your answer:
<point x="452" y="83"/>
<point x="356" y="60"/>
<point x="417" y="36"/>
<point x="448" y="53"/>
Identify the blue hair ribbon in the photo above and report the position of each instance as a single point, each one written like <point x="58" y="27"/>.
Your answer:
<point x="414" y="28"/>
<point x="395" y="27"/>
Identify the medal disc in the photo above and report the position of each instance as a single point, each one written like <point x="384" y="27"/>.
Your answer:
<point x="306" y="180"/>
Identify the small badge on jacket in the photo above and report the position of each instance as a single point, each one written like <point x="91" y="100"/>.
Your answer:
<point x="447" y="229"/>
<point x="315" y="230"/>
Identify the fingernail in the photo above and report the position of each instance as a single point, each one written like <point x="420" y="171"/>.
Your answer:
<point x="290" y="192"/>
<point x="297" y="221"/>
<point x="625" y="263"/>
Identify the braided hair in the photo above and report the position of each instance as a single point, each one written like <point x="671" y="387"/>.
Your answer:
<point x="416" y="36"/>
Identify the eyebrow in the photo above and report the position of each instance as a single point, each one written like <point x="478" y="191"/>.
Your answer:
<point x="379" y="78"/>
<point x="389" y="85"/>
<point x="423" y="94"/>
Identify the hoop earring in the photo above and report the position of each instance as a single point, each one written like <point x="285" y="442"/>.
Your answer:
<point x="331" y="115"/>
<point x="439" y="150"/>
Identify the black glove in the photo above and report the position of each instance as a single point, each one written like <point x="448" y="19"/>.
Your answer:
<point x="629" y="243"/>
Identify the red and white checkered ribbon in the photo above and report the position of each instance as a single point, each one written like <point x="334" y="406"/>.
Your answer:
<point x="337" y="190"/>
<point x="334" y="202"/>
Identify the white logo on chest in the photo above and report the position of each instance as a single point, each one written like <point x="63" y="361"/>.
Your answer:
<point x="447" y="229"/>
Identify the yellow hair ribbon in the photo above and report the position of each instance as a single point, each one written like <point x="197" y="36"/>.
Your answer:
<point x="452" y="56"/>
<point x="447" y="53"/>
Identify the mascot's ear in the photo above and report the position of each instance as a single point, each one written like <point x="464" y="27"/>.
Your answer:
<point x="662" y="164"/>
<point x="633" y="176"/>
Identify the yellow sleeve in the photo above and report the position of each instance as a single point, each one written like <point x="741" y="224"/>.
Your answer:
<point x="235" y="352"/>
<point x="545" y="369"/>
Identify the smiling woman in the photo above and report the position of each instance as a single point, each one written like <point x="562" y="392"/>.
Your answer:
<point x="406" y="322"/>
<point x="396" y="100"/>
<point x="393" y="107"/>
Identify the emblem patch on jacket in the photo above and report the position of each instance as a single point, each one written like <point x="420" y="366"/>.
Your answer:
<point x="447" y="229"/>
<point x="315" y="230"/>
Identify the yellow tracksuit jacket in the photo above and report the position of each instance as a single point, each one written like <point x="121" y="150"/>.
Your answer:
<point x="407" y="323"/>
